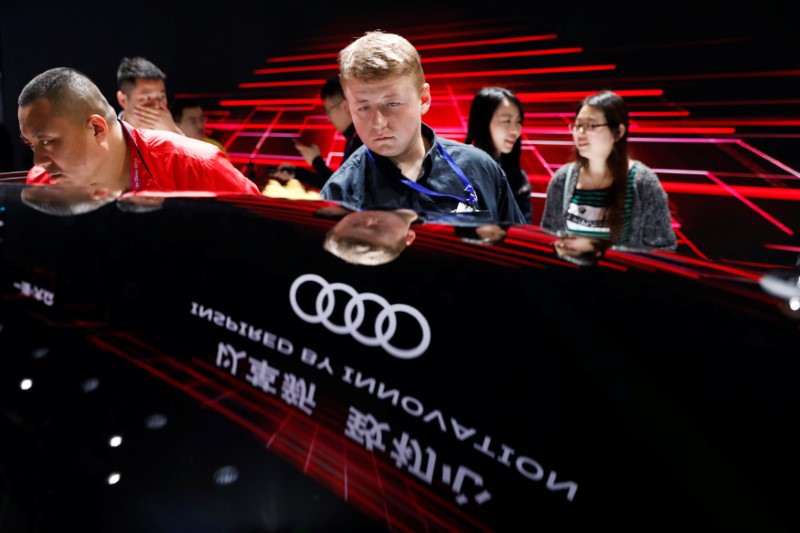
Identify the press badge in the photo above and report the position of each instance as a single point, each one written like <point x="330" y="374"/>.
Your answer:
<point x="463" y="208"/>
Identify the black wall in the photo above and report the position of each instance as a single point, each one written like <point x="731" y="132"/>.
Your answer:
<point x="205" y="50"/>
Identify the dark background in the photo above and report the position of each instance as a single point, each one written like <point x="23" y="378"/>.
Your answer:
<point x="211" y="49"/>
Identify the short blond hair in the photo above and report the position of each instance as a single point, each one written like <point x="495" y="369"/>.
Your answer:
<point x="378" y="56"/>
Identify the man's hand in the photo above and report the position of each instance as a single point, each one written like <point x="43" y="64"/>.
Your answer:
<point x="576" y="246"/>
<point x="152" y="118"/>
<point x="309" y="152"/>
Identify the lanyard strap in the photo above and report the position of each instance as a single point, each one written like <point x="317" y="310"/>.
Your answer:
<point x="135" y="180"/>
<point x="471" y="198"/>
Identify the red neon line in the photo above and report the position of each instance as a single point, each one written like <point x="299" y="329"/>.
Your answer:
<point x="285" y="59"/>
<point x="270" y="101"/>
<point x="743" y="121"/>
<point x="681" y="129"/>
<point x="569" y="115"/>
<point x="765" y="193"/>
<point x="525" y="53"/>
<point x="685" y="240"/>
<point x="443" y="59"/>
<point x="782" y="247"/>
<point x="295" y="83"/>
<point x="576" y="96"/>
<point x="281" y="70"/>
<point x="260" y="125"/>
<point x="750" y="204"/>
<point x="513" y="72"/>
<point x="754" y="74"/>
<point x="658" y="114"/>
<point x="768" y="158"/>
<point x="507" y="40"/>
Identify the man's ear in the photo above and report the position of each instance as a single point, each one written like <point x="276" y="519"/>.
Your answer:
<point x="122" y="99"/>
<point x="410" y="236"/>
<point x="425" y="98"/>
<point x="99" y="127"/>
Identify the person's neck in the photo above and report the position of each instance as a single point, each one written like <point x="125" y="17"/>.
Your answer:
<point x="118" y="163"/>
<point x="410" y="161"/>
<point x="595" y="175"/>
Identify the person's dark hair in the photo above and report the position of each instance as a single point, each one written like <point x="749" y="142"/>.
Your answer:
<point x="616" y="113"/>
<point x="332" y="88"/>
<point x="70" y="92"/>
<point x="179" y="104"/>
<point x="133" y="68"/>
<point x="484" y="104"/>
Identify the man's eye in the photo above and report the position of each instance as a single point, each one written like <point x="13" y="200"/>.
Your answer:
<point x="44" y="142"/>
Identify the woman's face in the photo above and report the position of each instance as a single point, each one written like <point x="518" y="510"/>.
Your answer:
<point x="505" y="127"/>
<point x="593" y="138"/>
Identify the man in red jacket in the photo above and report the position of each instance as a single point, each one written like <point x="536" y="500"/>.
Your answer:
<point x="77" y="139"/>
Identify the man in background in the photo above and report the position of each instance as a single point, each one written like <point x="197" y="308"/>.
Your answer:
<point x="339" y="115"/>
<point x="142" y="95"/>
<point x="188" y="115"/>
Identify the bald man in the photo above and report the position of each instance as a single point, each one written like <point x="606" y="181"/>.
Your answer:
<point x="77" y="139"/>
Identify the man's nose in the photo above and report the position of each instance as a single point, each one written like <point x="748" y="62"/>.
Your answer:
<point x="40" y="159"/>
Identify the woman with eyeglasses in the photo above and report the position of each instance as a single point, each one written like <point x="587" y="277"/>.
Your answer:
<point x="603" y="199"/>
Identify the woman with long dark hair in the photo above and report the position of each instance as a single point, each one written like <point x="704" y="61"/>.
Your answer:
<point x="495" y="126"/>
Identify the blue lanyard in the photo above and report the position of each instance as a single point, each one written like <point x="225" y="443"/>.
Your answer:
<point x="471" y="199"/>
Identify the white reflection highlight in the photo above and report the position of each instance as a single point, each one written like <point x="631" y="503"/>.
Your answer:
<point x="226" y="475"/>
<point x="26" y="384"/>
<point x="113" y="478"/>
<point x="794" y="304"/>
<point x="156" y="421"/>
<point x="38" y="353"/>
<point x="115" y="441"/>
<point x="90" y="384"/>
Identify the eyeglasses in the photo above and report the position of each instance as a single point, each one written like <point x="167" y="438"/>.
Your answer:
<point x="588" y="129"/>
<point x="330" y="108"/>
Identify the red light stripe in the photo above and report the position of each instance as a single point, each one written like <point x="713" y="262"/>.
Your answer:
<point x="524" y="53"/>
<point x="281" y="70"/>
<point x="682" y="130"/>
<point x="482" y="42"/>
<point x="305" y="57"/>
<point x="463" y="57"/>
<point x="507" y="40"/>
<point x="269" y="101"/>
<point x="514" y="72"/>
<point x="766" y="193"/>
<point x="288" y="83"/>
<point x="576" y="96"/>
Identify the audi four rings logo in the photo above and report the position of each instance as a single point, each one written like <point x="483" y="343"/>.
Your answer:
<point x="354" y="315"/>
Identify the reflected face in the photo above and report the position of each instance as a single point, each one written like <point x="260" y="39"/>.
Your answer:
<point x="388" y="114"/>
<point x="65" y="200"/>
<point x="593" y="143"/>
<point x="505" y="127"/>
<point x="381" y="228"/>
<point x="193" y="122"/>
<point x="147" y="93"/>
<point x="64" y="146"/>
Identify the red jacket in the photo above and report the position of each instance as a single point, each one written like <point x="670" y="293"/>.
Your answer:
<point x="167" y="161"/>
